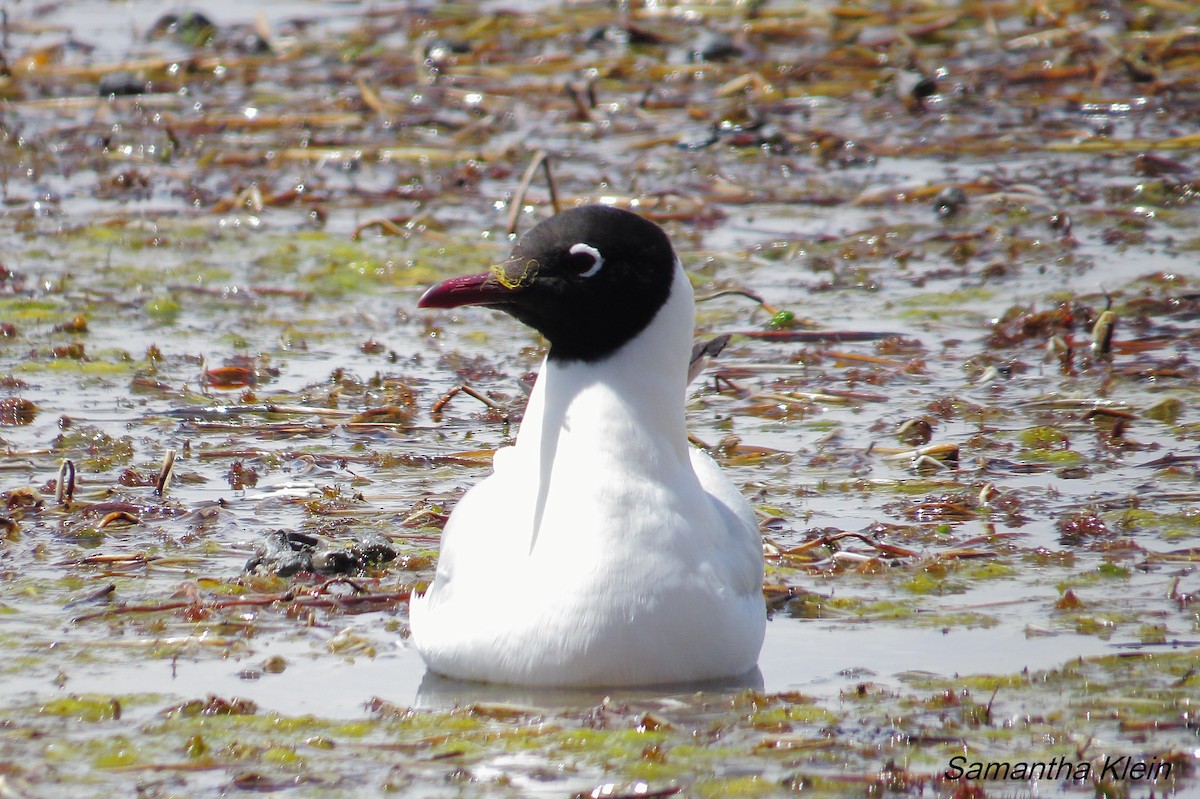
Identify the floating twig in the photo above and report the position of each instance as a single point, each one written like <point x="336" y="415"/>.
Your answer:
<point x="1102" y="335"/>
<point x="118" y="516"/>
<point x="830" y="539"/>
<point x="418" y="517"/>
<point x="703" y="352"/>
<point x="164" y="473"/>
<point x="100" y="593"/>
<point x="580" y="97"/>
<point x="818" y="336"/>
<point x="444" y="400"/>
<point x="396" y="226"/>
<point x="92" y="560"/>
<point x="740" y="292"/>
<point x="288" y="597"/>
<point x="64" y="488"/>
<point x="540" y="158"/>
<point x="854" y="356"/>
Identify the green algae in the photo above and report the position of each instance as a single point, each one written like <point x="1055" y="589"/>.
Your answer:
<point x="95" y="449"/>
<point x="28" y="312"/>
<point x="114" y="753"/>
<point x="84" y="708"/>
<point x="164" y="310"/>
<point x="1171" y="527"/>
<point x="934" y="581"/>
<point x="812" y="606"/>
<point x="84" y="369"/>
<point x="1044" y="438"/>
<point x="296" y="290"/>
<point x="755" y="754"/>
<point x="936" y="302"/>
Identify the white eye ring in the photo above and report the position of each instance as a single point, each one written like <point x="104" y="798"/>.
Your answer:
<point x="597" y="258"/>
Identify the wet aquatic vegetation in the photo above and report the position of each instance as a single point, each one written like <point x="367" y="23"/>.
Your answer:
<point x="286" y="554"/>
<point x="955" y="250"/>
<point x="742" y="744"/>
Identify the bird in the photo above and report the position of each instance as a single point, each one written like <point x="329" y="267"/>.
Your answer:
<point x="603" y="550"/>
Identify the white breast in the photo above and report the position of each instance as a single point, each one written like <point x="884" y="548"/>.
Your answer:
<point x="603" y="549"/>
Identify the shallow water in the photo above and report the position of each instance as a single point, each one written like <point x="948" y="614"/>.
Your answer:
<point x="974" y="570"/>
<point x="818" y="659"/>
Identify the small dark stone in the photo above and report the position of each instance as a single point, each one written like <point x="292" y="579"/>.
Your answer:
<point x="192" y="28"/>
<point x="950" y="201"/>
<point x="373" y="550"/>
<point x="620" y="35"/>
<point x="276" y="543"/>
<point x="925" y="87"/>
<point x="286" y="553"/>
<point x="913" y="87"/>
<point x="697" y="140"/>
<point x="334" y="561"/>
<point x="301" y="542"/>
<point x="122" y="83"/>
<point x="439" y="50"/>
<point x="163" y="25"/>
<point x="713" y="46"/>
<point x="283" y="553"/>
<point x="252" y="43"/>
<point x="281" y="541"/>
<point x="289" y="564"/>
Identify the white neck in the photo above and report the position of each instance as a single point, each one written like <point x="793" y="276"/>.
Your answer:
<point x="624" y="413"/>
<point x="642" y="384"/>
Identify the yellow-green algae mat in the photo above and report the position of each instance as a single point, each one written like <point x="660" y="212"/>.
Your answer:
<point x="1088" y="725"/>
<point x="957" y="246"/>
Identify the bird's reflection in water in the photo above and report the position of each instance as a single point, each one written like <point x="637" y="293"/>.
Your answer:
<point x="442" y="693"/>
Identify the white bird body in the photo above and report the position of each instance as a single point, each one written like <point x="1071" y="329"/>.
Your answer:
<point x="603" y="550"/>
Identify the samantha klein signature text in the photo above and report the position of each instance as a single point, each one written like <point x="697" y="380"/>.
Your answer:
<point x="1123" y="768"/>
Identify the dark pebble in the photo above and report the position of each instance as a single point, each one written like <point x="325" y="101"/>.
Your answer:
<point x="122" y="83"/>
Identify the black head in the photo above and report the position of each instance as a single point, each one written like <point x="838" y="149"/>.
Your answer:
<point x="588" y="279"/>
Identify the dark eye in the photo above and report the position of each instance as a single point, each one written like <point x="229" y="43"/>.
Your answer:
<point x="585" y="259"/>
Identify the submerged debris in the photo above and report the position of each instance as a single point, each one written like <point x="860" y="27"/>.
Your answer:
<point x="122" y="83"/>
<point x="214" y="238"/>
<point x="17" y="411"/>
<point x="285" y="553"/>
